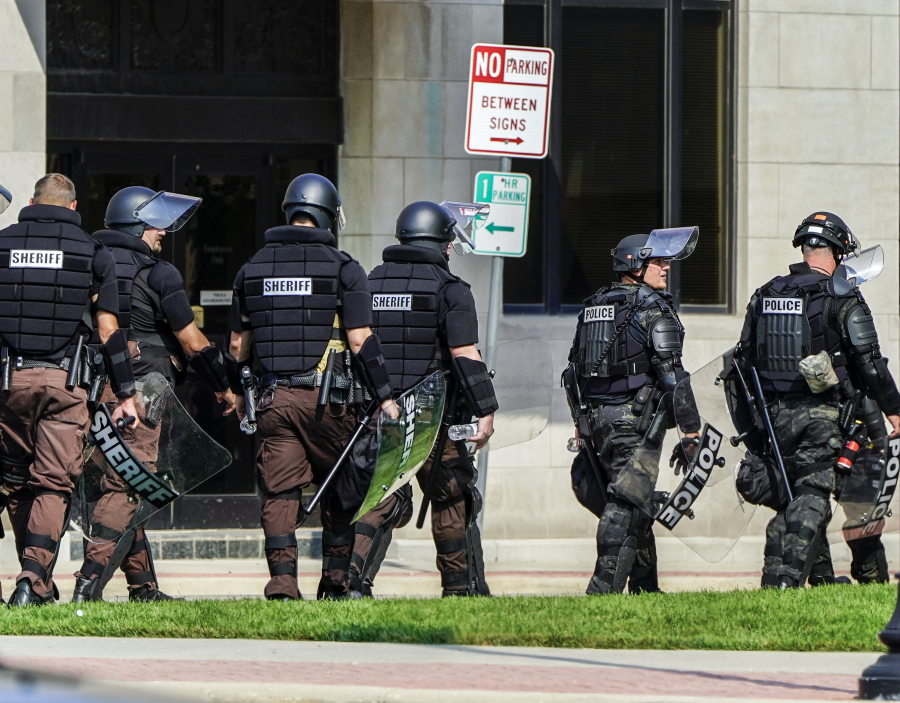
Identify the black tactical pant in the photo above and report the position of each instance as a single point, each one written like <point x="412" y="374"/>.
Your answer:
<point x="810" y="441"/>
<point x="643" y="577"/>
<point x="624" y="529"/>
<point x="298" y="443"/>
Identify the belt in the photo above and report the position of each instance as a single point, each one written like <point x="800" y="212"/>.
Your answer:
<point x="313" y="379"/>
<point x="21" y="363"/>
<point x="628" y="368"/>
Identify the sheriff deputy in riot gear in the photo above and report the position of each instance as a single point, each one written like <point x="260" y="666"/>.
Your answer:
<point x="56" y="283"/>
<point x="305" y="307"/>
<point x="156" y="314"/>
<point x="788" y="319"/>
<point x="627" y="354"/>
<point x="433" y="328"/>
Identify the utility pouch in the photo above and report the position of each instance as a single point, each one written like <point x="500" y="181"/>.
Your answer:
<point x="639" y="406"/>
<point x="647" y="411"/>
<point x="819" y="372"/>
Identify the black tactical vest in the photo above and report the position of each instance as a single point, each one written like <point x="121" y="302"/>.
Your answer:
<point x="405" y="309"/>
<point x="140" y="309"/>
<point x="291" y="289"/>
<point x="795" y="316"/>
<point x="609" y="354"/>
<point x="45" y="282"/>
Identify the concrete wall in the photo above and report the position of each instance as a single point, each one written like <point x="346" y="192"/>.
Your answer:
<point x="818" y="119"/>
<point x="22" y="110"/>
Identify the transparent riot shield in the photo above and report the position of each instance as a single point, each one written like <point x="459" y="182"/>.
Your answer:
<point x="700" y="505"/>
<point x="523" y="383"/>
<point x="133" y="472"/>
<point x="867" y="497"/>
<point x="403" y="445"/>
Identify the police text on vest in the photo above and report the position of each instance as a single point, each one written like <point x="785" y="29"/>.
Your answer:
<point x="783" y="306"/>
<point x="35" y="259"/>
<point x="391" y="302"/>
<point x="600" y="313"/>
<point x="287" y="286"/>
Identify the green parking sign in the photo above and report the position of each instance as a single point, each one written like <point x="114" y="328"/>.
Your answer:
<point x="506" y="231"/>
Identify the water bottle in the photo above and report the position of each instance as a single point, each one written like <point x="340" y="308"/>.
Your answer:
<point x="575" y="445"/>
<point x="462" y="433"/>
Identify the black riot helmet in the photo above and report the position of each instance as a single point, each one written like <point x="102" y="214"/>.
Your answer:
<point x="426" y="224"/>
<point x="134" y="209"/>
<point x="632" y="253"/>
<point x="826" y="229"/>
<point x="317" y="197"/>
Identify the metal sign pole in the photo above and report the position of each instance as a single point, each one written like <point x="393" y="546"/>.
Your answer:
<point x="495" y="304"/>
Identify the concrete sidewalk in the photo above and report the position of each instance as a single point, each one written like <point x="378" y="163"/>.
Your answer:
<point x="262" y="671"/>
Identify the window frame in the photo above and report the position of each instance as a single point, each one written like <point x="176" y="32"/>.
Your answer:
<point x="552" y="166"/>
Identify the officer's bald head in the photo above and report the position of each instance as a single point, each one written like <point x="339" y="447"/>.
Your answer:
<point x="54" y="189"/>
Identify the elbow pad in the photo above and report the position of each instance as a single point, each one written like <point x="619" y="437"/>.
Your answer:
<point x="118" y="365"/>
<point x="667" y="373"/>
<point x="474" y="381"/>
<point x="374" y="373"/>
<point x="209" y="365"/>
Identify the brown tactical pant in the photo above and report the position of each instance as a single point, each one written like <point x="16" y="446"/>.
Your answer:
<point x="42" y="427"/>
<point x="114" y="511"/>
<point x="298" y="445"/>
<point x="448" y="517"/>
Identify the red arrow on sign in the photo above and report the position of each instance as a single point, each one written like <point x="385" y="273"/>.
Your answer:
<point x="506" y="140"/>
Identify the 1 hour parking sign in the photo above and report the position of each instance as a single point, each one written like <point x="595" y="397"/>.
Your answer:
<point x="509" y="100"/>
<point x="506" y="231"/>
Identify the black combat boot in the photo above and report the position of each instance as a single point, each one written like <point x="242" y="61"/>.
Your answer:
<point x="145" y="594"/>
<point x="83" y="590"/>
<point x="25" y="595"/>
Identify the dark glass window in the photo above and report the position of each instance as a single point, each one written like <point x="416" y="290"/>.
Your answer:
<point x="643" y="132"/>
<point x="612" y="138"/>
<point x="704" y="140"/>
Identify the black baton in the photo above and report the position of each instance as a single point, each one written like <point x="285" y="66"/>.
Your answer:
<point x="764" y="411"/>
<point x="75" y="364"/>
<point x="325" y="390"/>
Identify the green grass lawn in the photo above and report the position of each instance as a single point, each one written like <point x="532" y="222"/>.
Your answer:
<point x="842" y="618"/>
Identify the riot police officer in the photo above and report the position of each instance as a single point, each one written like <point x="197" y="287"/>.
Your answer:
<point x="805" y="313"/>
<point x="56" y="284"/>
<point x="156" y="314"/>
<point x="432" y="328"/>
<point x="627" y="355"/>
<point x="306" y="309"/>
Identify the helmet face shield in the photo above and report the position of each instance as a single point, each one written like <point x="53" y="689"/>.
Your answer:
<point x="862" y="267"/>
<point x="341" y="218"/>
<point x="469" y="217"/>
<point x="5" y="199"/>
<point x="673" y="243"/>
<point x="168" y="211"/>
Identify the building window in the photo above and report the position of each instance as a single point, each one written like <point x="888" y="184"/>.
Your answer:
<point x="640" y="139"/>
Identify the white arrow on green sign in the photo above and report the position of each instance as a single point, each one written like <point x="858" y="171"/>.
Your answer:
<point x="506" y="231"/>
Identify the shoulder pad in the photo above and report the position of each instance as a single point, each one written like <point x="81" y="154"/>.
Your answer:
<point x="591" y="298"/>
<point x="861" y="327"/>
<point x="841" y="286"/>
<point x="347" y="257"/>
